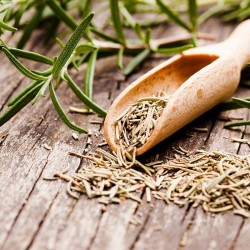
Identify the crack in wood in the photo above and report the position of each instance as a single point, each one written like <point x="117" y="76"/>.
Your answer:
<point x="143" y="226"/>
<point x="92" y="240"/>
<point x="237" y="236"/>
<point x="25" y="202"/>
<point x="10" y="94"/>
<point x="41" y="222"/>
<point x="3" y="138"/>
<point x="184" y="237"/>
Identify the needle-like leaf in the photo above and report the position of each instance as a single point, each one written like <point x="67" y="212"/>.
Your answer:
<point x="120" y="58"/>
<point x="20" y="67"/>
<point x="136" y="61"/>
<point x="5" y="26"/>
<point x="236" y="124"/>
<point x="32" y="24"/>
<point x="116" y="20"/>
<point x="87" y="8"/>
<point x="19" y="104"/>
<point x="175" y="49"/>
<point x="173" y="15"/>
<point x="31" y="56"/>
<point x="83" y="97"/>
<point x="83" y="48"/>
<point x="41" y="92"/>
<point x="242" y="102"/>
<point x="62" y="14"/>
<point x="192" y="12"/>
<point x="229" y="105"/>
<point x="24" y="92"/>
<point x="89" y="74"/>
<point x="104" y="35"/>
<point x="71" y="44"/>
<point x="61" y="113"/>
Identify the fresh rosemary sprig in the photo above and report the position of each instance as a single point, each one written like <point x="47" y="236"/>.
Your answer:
<point x="96" y="43"/>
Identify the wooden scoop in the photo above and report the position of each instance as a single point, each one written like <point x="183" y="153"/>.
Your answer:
<point x="197" y="80"/>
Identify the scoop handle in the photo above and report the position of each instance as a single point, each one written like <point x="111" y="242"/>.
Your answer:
<point x="238" y="44"/>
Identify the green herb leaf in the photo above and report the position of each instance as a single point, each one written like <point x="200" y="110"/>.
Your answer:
<point x="62" y="14"/>
<point x="83" y="48"/>
<point x="20" y="67"/>
<point x="175" y="49"/>
<point x="89" y="74"/>
<point x="41" y="92"/>
<point x="116" y="20"/>
<point x="192" y="11"/>
<point x="61" y="113"/>
<point x="19" y="104"/>
<point x="5" y="26"/>
<point x="229" y="105"/>
<point x="136" y="61"/>
<point x="236" y="124"/>
<point x="242" y="102"/>
<point x="120" y="58"/>
<point x="71" y="44"/>
<point x="173" y="15"/>
<point x="32" y="24"/>
<point x="85" y="99"/>
<point x="104" y="35"/>
<point x="31" y="56"/>
<point x="24" y="92"/>
<point x="87" y="8"/>
<point x="19" y="13"/>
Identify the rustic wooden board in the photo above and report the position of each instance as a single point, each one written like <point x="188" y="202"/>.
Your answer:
<point x="38" y="214"/>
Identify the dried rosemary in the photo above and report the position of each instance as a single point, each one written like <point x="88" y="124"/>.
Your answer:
<point x="135" y="125"/>
<point x="214" y="180"/>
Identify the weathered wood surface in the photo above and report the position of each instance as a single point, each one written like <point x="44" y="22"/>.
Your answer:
<point x="38" y="214"/>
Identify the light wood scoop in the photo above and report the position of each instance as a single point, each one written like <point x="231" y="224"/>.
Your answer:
<point x="197" y="80"/>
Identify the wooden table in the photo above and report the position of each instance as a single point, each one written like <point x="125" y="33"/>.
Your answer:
<point x="38" y="214"/>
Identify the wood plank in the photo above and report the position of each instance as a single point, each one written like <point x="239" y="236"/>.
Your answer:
<point x="208" y="226"/>
<point x="42" y="216"/>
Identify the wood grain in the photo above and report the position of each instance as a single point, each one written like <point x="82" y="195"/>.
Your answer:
<point x="38" y="214"/>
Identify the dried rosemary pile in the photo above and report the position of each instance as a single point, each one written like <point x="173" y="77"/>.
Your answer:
<point x="217" y="181"/>
<point x="135" y="125"/>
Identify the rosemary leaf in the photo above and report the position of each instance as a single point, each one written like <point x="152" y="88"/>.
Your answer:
<point x="89" y="74"/>
<point x="20" y="104"/>
<point x="236" y="124"/>
<point x="31" y="56"/>
<point x="130" y="20"/>
<point x="42" y="90"/>
<point x="87" y="8"/>
<point x="24" y="92"/>
<point x="210" y="12"/>
<point x="120" y="58"/>
<point x="175" y="49"/>
<point x="71" y="44"/>
<point x="20" y="13"/>
<point x="85" y="99"/>
<point x="116" y="20"/>
<point x="62" y="14"/>
<point x="242" y="102"/>
<point x="83" y="48"/>
<point x="229" y="105"/>
<point x="173" y="15"/>
<point x="136" y="61"/>
<point x="5" y="26"/>
<point x="20" y="67"/>
<point x="192" y="11"/>
<point x="104" y="35"/>
<point x="61" y="113"/>
<point x="32" y="24"/>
